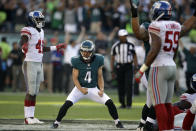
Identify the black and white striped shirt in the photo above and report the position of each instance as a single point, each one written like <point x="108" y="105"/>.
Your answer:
<point x="123" y="52"/>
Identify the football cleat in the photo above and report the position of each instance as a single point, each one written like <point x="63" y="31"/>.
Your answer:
<point x="140" y="127"/>
<point x="30" y="121"/>
<point x="119" y="125"/>
<point x="55" y="124"/>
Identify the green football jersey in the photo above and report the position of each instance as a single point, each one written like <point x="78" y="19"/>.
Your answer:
<point x="88" y="72"/>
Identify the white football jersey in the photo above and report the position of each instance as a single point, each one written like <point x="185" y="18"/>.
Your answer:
<point x="35" y="44"/>
<point x="169" y="32"/>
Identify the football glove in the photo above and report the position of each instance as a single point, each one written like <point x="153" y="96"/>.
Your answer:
<point x="134" y="5"/>
<point x="138" y="76"/>
<point x="60" y="46"/>
<point x="184" y="96"/>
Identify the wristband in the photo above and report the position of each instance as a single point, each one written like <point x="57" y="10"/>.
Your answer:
<point x="143" y="68"/>
<point x="52" y="48"/>
<point x="134" y="12"/>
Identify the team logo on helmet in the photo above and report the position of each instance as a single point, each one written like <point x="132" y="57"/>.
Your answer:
<point x="36" y="19"/>
<point x="87" y="49"/>
<point x="161" y="10"/>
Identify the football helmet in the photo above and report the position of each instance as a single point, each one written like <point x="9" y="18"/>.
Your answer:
<point x="87" y="49"/>
<point x="193" y="82"/>
<point x="36" y="19"/>
<point x="161" y="10"/>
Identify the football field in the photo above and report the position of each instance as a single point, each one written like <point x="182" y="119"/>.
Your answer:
<point x="84" y="115"/>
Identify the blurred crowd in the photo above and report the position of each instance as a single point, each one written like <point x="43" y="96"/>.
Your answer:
<point x="98" y="20"/>
<point x="70" y="15"/>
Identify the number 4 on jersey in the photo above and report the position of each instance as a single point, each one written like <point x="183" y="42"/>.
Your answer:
<point x="38" y="46"/>
<point x="88" y="77"/>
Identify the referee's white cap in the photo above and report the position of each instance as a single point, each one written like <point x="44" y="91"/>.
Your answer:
<point x="122" y="32"/>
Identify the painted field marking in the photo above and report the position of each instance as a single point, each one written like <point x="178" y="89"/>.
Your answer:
<point x="136" y="104"/>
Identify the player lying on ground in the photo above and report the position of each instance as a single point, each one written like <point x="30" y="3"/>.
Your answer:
<point x="184" y="109"/>
<point x="89" y="83"/>
<point x="32" y="41"/>
<point x="141" y="32"/>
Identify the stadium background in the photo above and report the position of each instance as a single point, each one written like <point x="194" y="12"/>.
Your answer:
<point x="107" y="16"/>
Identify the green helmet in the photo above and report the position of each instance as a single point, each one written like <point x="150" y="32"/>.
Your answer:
<point x="87" y="49"/>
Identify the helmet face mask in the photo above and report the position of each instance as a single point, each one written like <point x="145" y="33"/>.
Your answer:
<point x="160" y="10"/>
<point x="193" y="82"/>
<point x="87" y="49"/>
<point x="36" y="19"/>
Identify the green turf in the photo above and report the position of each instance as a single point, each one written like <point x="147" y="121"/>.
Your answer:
<point x="11" y="107"/>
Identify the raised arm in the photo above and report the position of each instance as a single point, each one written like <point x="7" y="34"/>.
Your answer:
<point x="188" y="24"/>
<point x="81" y="36"/>
<point x="139" y="31"/>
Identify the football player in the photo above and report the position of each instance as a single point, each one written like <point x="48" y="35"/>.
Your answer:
<point x="88" y="80"/>
<point x="32" y="41"/>
<point x="163" y="36"/>
<point x="190" y="116"/>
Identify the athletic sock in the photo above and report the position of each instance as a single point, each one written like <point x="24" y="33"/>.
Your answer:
<point x="112" y="109"/>
<point x="27" y="108"/>
<point x="188" y="121"/>
<point x="176" y="110"/>
<point x="116" y="121"/>
<point x="145" y="112"/>
<point x="151" y="115"/>
<point x="162" y="116"/>
<point x="170" y="115"/>
<point x="63" y="110"/>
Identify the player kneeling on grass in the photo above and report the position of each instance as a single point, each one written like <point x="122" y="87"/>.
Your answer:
<point x="89" y="83"/>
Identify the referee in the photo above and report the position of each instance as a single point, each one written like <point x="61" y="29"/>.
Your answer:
<point x="122" y="58"/>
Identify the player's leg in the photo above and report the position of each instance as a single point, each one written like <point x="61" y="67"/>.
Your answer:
<point x="151" y="116"/>
<point x="93" y="95"/>
<point x="190" y="117"/>
<point x="128" y="80"/>
<point x="158" y="90"/>
<point x="150" y="120"/>
<point x="146" y="107"/>
<point x="121" y="86"/>
<point x="168" y="101"/>
<point x="72" y="98"/>
<point x="30" y="73"/>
